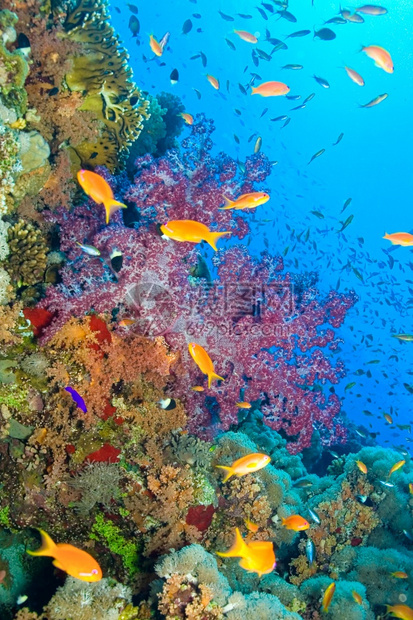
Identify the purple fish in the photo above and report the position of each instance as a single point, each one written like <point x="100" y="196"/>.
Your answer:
<point x="77" y="398"/>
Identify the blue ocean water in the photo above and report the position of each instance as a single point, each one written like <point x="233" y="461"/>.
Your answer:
<point x="372" y="164"/>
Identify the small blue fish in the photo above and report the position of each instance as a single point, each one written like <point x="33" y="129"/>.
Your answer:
<point x="314" y="516"/>
<point x="310" y="551"/>
<point x="77" y="398"/>
<point x="89" y="249"/>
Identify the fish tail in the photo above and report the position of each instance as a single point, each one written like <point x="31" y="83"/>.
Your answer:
<point x="212" y="376"/>
<point x="228" y="203"/>
<point x="237" y="549"/>
<point x="229" y="471"/>
<point x="111" y="206"/>
<point x="213" y="237"/>
<point x="253" y="90"/>
<point x="47" y="547"/>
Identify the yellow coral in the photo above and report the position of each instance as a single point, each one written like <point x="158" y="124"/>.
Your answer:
<point x="103" y="76"/>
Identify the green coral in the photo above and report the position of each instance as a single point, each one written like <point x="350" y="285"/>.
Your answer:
<point x="106" y="532"/>
<point x="4" y="517"/>
<point x="13" y="67"/>
<point x="9" y="161"/>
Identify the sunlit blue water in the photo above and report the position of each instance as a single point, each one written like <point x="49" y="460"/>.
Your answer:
<point x="372" y="164"/>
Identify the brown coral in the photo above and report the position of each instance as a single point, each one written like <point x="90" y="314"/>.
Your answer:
<point x="183" y="598"/>
<point x="26" y="263"/>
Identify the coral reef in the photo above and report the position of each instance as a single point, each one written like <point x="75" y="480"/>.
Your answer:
<point x="26" y="263"/>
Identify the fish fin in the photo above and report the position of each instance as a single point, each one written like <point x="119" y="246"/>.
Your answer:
<point x="47" y="548"/>
<point x="213" y="237"/>
<point x="58" y="565"/>
<point x="111" y="206"/>
<point x="229" y="471"/>
<point x="253" y="90"/>
<point x="237" y="549"/>
<point x="212" y="376"/>
<point x="245" y="564"/>
<point x="228" y="203"/>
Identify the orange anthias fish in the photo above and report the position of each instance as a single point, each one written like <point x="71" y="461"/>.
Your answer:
<point x="400" y="238"/>
<point x="213" y="81"/>
<point x="243" y="405"/>
<point x="192" y="231"/>
<point x="328" y="596"/>
<point x="270" y="89"/>
<point x="251" y="527"/>
<point x="362" y="467"/>
<point x="399" y="574"/>
<point x="245" y="465"/>
<point x="256" y="556"/>
<point x="246" y="36"/>
<point x="388" y="418"/>
<point x="396" y="466"/>
<point x="75" y="562"/>
<point x="357" y="597"/>
<point x="197" y="388"/>
<point x="353" y="75"/>
<point x="411" y="488"/>
<point x="156" y="47"/>
<point x="380" y="56"/>
<point x="400" y="611"/>
<point x="296" y="523"/>
<point x="188" y="118"/>
<point x="203" y="361"/>
<point x="99" y="190"/>
<point x="246" y="201"/>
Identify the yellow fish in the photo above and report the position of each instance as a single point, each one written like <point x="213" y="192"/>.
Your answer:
<point x="192" y="231"/>
<point x="243" y="405"/>
<point x="357" y="597"/>
<point x="100" y="191"/>
<point x="75" y="562"/>
<point x="395" y="467"/>
<point x="362" y="467"/>
<point x="245" y="465"/>
<point x="400" y="611"/>
<point x="328" y="596"/>
<point x="399" y="574"/>
<point x="246" y="201"/>
<point x="256" y="556"/>
<point x="203" y="361"/>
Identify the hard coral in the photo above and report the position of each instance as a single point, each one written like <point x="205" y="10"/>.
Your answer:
<point x="103" y="73"/>
<point x="28" y="249"/>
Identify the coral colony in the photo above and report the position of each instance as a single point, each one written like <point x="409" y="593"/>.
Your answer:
<point x="112" y="443"/>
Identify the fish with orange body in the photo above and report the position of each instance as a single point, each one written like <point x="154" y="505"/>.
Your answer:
<point x="400" y="238"/>
<point x="213" y="81"/>
<point x="404" y="612"/>
<point x="155" y="46"/>
<point x="296" y="523"/>
<point x="353" y="75"/>
<point x="246" y="201"/>
<point x="203" y="361"/>
<point x="192" y="231"/>
<point x="246" y="36"/>
<point x="357" y="597"/>
<point x="399" y="574"/>
<point x="188" y="118"/>
<point x="75" y="562"/>
<point x="256" y="556"/>
<point x="100" y="191"/>
<point x="381" y="57"/>
<point x="243" y="405"/>
<point x="270" y="89"/>
<point x="245" y="465"/>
